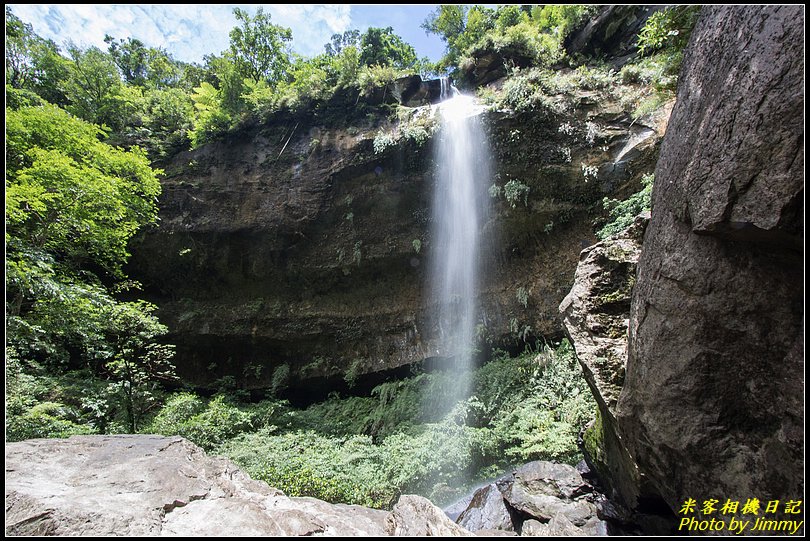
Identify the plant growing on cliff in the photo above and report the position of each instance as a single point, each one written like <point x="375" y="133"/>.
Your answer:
<point x="522" y="295"/>
<point x="669" y="28"/>
<point x="622" y="213"/>
<point x="514" y="191"/>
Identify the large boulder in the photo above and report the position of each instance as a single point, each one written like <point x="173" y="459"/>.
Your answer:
<point x="611" y="33"/>
<point x="142" y="485"/>
<point x="415" y="516"/>
<point x="543" y="489"/>
<point x="712" y="402"/>
<point x="538" y="498"/>
<point x="596" y="313"/>
<point x="486" y="511"/>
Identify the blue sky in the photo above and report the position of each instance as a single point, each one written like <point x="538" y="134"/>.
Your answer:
<point x="190" y="31"/>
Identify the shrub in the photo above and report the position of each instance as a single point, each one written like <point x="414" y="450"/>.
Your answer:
<point x="667" y="29"/>
<point x="206" y="425"/>
<point x="622" y="213"/>
<point x="514" y="191"/>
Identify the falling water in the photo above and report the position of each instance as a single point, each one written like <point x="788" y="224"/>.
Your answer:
<point x="459" y="208"/>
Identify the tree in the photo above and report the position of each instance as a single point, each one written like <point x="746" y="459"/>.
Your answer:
<point x="70" y="194"/>
<point x="34" y="63"/>
<point x="381" y="47"/>
<point x="94" y="88"/>
<point x="260" y="49"/>
<point x="143" y="66"/>
<point x="130" y="56"/>
<point x="136" y="360"/>
<point x="349" y="38"/>
<point x="72" y="204"/>
<point x="460" y="28"/>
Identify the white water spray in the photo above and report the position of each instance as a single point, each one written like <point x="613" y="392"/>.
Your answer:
<point x="459" y="210"/>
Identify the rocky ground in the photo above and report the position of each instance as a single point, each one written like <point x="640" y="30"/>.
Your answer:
<point x="156" y="485"/>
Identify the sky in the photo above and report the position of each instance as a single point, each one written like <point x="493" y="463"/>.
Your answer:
<point x="191" y="31"/>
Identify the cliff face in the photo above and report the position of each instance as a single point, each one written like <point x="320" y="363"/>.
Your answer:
<point x="711" y="405"/>
<point x="712" y="402"/>
<point x="297" y="250"/>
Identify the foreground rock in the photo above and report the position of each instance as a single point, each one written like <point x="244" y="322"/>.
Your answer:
<point x="415" y="516"/>
<point x="486" y="511"/>
<point x="712" y="404"/>
<point x="539" y="498"/>
<point x="155" y="485"/>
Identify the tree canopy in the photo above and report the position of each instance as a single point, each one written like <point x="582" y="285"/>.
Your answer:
<point x="260" y="49"/>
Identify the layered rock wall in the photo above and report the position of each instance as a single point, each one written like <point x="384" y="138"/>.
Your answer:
<point x="296" y="253"/>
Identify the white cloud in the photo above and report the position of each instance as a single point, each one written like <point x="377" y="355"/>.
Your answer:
<point x="186" y="31"/>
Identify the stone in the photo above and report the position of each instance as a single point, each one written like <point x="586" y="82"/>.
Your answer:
<point x="417" y="516"/>
<point x="412" y="91"/>
<point x="712" y="404"/>
<point x="543" y="489"/>
<point x="595" y="526"/>
<point x="596" y="313"/>
<point x="155" y="485"/>
<point x="486" y="511"/>
<point x="533" y="528"/>
<point x="495" y="533"/>
<point x="611" y="33"/>
<point x="558" y="526"/>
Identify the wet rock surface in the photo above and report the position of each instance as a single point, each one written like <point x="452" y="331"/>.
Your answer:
<point x="289" y="249"/>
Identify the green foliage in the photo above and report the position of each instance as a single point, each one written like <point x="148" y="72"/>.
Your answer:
<point x="413" y="129"/>
<point x="381" y="47"/>
<point x="417" y="245"/>
<point x="72" y="204"/>
<point x="622" y="213"/>
<point x="339" y="42"/>
<point x="669" y="28"/>
<point x="513" y="31"/>
<point x="94" y="88"/>
<point x="143" y="66"/>
<point x="514" y="191"/>
<point x="403" y="438"/>
<point x="260" y="48"/>
<point x="522" y="295"/>
<point x="29" y="411"/>
<point x="207" y="425"/>
<point x="211" y="120"/>
<point x="280" y="379"/>
<point x="560" y="19"/>
<point x="33" y="63"/>
<point x="134" y="358"/>
<point x="69" y="194"/>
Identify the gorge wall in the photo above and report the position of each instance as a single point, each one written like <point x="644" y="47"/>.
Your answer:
<point x="713" y="400"/>
<point x="293" y="251"/>
<point x="711" y="405"/>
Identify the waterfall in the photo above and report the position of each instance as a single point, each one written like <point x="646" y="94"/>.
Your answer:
<point x="459" y="209"/>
